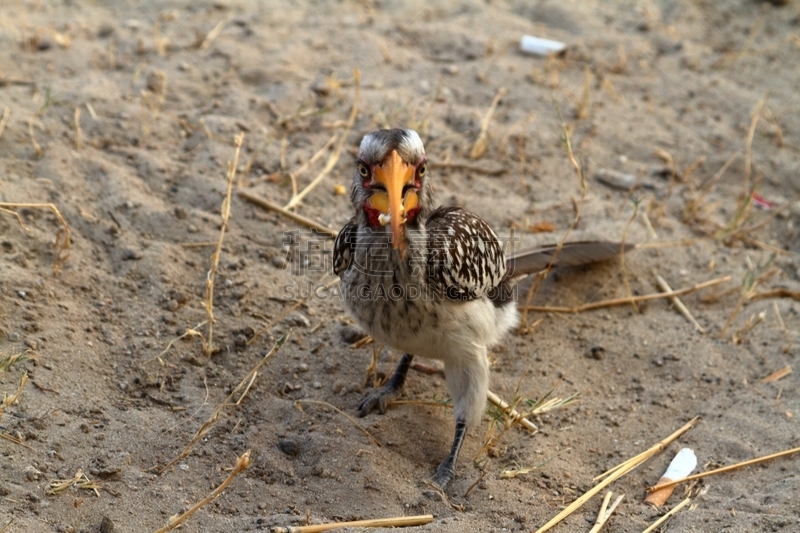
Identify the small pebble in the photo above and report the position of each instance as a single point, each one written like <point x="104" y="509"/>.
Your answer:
<point x="615" y="179"/>
<point x="106" y="525"/>
<point x="131" y="255"/>
<point x="351" y="334"/>
<point x="289" y="447"/>
<point x="595" y="352"/>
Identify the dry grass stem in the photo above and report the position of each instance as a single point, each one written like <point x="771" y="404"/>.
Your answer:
<point x="682" y="309"/>
<point x="15" y="440"/>
<point x="80" y="481"/>
<point x="242" y="462"/>
<point x="776" y="293"/>
<point x="270" y="206"/>
<point x="511" y="473"/>
<point x="724" y="469"/>
<point x="748" y="153"/>
<point x="62" y="242"/>
<point x="605" y="511"/>
<point x="623" y="268"/>
<point x="666" y="517"/>
<point x="509" y="411"/>
<point x="372" y="368"/>
<point x="483" y="136"/>
<point x="8" y="525"/>
<point x="10" y="400"/>
<point x="778" y="374"/>
<point x="225" y="212"/>
<point x="4" y="120"/>
<point x="10" y="360"/>
<point x="625" y="300"/>
<point x="616" y="473"/>
<point x="334" y="158"/>
<point x="78" y="130"/>
<point x="399" y="521"/>
<point x="749" y="325"/>
<point x="747" y="291"/>
<point x="291" y="308"/>
<point x="319" y="153"/>
<point x="360" y="343"/>
<point x="350" y="418"/>
<point x="782" y="324"/>
<point x="244" y="386"/>
<point x="190" y="332"/>
<point x="35" y="144"/>
<point x="539" y="279"/>
<point x="213" y="34"/>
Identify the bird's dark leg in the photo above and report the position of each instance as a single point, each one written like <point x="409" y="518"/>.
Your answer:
<point x="381" y="397"/>
<point x="447" y="470"/>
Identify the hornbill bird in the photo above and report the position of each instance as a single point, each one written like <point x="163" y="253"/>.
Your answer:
<point x="431" y="281"/>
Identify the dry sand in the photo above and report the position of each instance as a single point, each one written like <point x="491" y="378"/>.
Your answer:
<point x="164" y="87"/>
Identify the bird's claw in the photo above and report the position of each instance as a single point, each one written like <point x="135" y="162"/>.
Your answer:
<point x="379" y="398"/>
<point x="444" y="475"/>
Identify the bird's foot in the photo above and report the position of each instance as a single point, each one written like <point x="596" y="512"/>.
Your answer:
<point x="379" y="398"/>
<point x="444" y="475"/>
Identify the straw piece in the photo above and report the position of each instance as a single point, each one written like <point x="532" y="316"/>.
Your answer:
<point x="208" y="425"/>
<point x="616" y="473"/>
<point x="626" y="300"/>
<point x="241" y="465"/>
<point x="726" y="468"/>
<point x="483" y="137"/>
<point x="334" y="158"/>
<point x="266" y="204"/>
<point x="400" y="521"/>
<point x="664" y="518"/>
<point x="605" y="512"/>
<point x="682" y="309"/>
<point x="513" y="413"/>
<point x="778" y="374"/>
<point x="4" y="120"/>
<point x="225" y="213"/>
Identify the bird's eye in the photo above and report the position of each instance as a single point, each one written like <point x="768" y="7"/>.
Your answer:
<point x="423" y="169"/>
<point x="363" y="170"/>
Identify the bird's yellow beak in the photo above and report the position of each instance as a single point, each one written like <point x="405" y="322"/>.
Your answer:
<point x="394" y="174"/>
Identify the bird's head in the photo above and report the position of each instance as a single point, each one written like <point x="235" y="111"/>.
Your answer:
<point x="390" y="183"/>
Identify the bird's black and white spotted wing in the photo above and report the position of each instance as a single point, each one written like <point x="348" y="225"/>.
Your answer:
<point x="465" y="257"/>
<point x="343" y="247"/>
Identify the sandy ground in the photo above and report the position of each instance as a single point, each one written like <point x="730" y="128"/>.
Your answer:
<point x="162" y="89"/>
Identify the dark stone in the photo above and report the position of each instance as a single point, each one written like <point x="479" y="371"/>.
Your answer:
<point x="289" y="447"/>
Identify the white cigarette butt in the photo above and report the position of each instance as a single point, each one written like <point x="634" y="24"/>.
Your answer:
<point x="538" y="46"/>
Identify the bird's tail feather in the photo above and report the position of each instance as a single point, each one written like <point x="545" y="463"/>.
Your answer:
<point x="571" y="254"/>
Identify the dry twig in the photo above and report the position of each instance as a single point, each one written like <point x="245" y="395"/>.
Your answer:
<point x="682" y="309"/>
<point x="80" y="481"/>
<point x="483" y="136"/>
<point x="400" y="521"/>
<point x="605" y="511"/>
<point x="334" y="158"/>
<point x="245" y="384"/>
<point x="225" y="212"/>
<point x="241" y="465"/>
<point x="63" y="241"/>
<point x="625" y="300"/>
<point x="266" y="204"/>
<point x="664" y="518"/>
